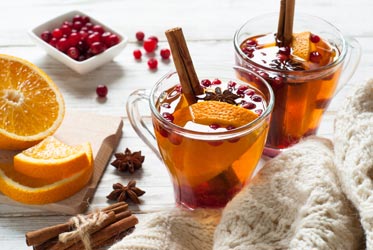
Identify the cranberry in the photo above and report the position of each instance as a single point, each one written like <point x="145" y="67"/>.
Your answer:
<point x="154" y="38"/>
<point x="256" y="98"/>
<point x="214" y="126"/>
<point x="98" y="28"/>
<point x="68" y="23"/>
<point x="83" y="35"/>
<point x="77" y="18"/>
<point x="73" y="39"/>
<point x="241" y="89"/>
<point x="82" y="46"/>
<point x="82" y="58"/>
<point x="77" y="25"/>
<point x="73" y="52"/>
<point x="62" y="44"/>
<point x="314" y="38"/>
<point x="85" y="19"/>
<point x="46" y="36"/>
<point x="216" y="82"/>
<point x="284" y="51"/>
<point x="113" y="40"/>
<point x="206" y="83"/>
<point x="140" y="36"/>
<point x="149" y="45"/>
<point x="249" y="105"/>
<point x="88" y="25"/>
<point x="57" y="33"/>
<point x="137" y="54"/>
<point x="168" y="116"/>
<point x="152" y="63"/>
<point x="315" y="57"/>
<point x="95" y="37"/>
<point x="97" y="47"/>
<point x="53" y="42"/>
<point x="101" y="90"/>
<point x="65" y="29"/>
<point x="165" y="53"/>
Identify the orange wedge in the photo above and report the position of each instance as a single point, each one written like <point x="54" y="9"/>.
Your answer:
<point x="209" y="112"/>
<point x="52" y="159"/>
<point x="31" y="106"/>
<point x="301" y="45"/>
<point x="30" y="190"/>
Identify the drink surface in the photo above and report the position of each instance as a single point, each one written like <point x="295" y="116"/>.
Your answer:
<point x="303" y="77"/>
<point x="209" y="172"/>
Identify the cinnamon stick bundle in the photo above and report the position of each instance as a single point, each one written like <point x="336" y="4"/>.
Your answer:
<point x="285" y="23"/>
<point x="118" y="219"/>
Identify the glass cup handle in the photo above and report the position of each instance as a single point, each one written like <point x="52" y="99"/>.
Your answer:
<point x="137" y="120"/>
<point x="352" y="61"/>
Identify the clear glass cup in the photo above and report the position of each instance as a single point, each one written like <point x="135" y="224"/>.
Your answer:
<point x="206" y="168"/>
<point x="301" y="96"/>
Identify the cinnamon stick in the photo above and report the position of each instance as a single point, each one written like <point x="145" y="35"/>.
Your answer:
<point x="285" y="23"/>
<point x="184" y="65"/>
<point x="42" y="235"/>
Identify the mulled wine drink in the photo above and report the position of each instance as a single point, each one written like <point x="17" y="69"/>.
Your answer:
<point x="303" y="75"/>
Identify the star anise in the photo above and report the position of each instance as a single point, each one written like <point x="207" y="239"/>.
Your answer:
<point x="287" y="64"/>
<point x="226" y="96"/>
<point x="128" y="161"/>
<point x="122" y="193"/>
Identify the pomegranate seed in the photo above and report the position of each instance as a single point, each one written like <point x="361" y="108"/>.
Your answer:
<point x="214" y="126"/>
<point x="251" y="43"/>
<point x="62" y="44"/>
<point x="53" y="42"/>
<point x="256" y="98"/>
<point x="178" y="88"/>
<point x="249" y="105"/>
<point x="165" y="53"/>
<point x="77" y="18"/>
<point x="65" y="29"/>
<point x="98" y="28"/>
<point x="277" y="81"/>
<point x="85" y="19"/>
<point x="230" y="127"/>
<point x="215" y="143"/>
<point x="241" y="89"/>
<point x="231" y="84"/>
<point x="168" y="116"/>
<point x="101" y="90"/>
<point x="149" y="45"/>
<point x="250" y="92"/>
<point x="57" y="33"/>
<point x="284" y="51"/>
<point x="163" y="132"/>
<point x="175" y="138"/>
<point x="206" y="83"/>
<point x="77" y="25"/>
<point x="264" y="74"/>
<point x="95" y="37"/>
<point x="46" y="36"/>
<point x="152" y="63"/>
<point x="259" y="111"/>
<point x="166" y="105"/>
<point x="137" y="54"/>
<point x="97" y="48"/>
<point x="216" y="82"/>
<point x="140" y="36"/>
<point x="73" y="39"/>
<point x="73" y="52"/>
<point x="314" y="38"/>
<point x="315" y="57"/>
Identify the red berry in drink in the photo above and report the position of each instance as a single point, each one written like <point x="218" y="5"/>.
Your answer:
<point x="165" y="53"/>
<point x="241" y="89"/>
<point x="62" y="44"/>
<point x="73" y="52"/>
<point x="251" y="43"/>
<point x="214" y="126"/>
<point x="137" y="54"/>
<point x="315" y="57"/>
<point x="140" y="36"/>
<point x="152" y="63"/>
<point x="149" y="45"/>
<point x="168" y="116"/>
<point x="57" y="33"/>
<point x="97" y="48"/>
<point x="101" y="90"/>
<point x="249" y="105"/>
<point x="314" y="38"/>
<point x="46" y="36"/>
<point x="256" y="98"/>
<point x="284" y="51"/>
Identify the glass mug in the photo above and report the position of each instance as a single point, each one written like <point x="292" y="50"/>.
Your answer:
<point x="301" y="96"/>
<point x="206" y="168"/>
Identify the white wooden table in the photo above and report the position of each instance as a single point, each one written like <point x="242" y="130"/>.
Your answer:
<point x="208" y="25"/>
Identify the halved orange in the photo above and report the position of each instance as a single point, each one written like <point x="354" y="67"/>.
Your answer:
<point x="31" y="106"/>
<point x="30" y="190"/>
<point x="52" y="159"/>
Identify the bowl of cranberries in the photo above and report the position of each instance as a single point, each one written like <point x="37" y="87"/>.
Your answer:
<point x="79" y="41"/>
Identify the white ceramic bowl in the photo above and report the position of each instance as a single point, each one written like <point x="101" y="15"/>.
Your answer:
<point x="81" y="67"/>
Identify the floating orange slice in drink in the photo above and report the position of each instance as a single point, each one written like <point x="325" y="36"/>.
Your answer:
<point x="53" y="159"/>
<point x="31" y="106"/>
<point x="301" y="45"/>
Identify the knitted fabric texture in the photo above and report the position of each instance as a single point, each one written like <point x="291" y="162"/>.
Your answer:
<point x="354" y="153"/>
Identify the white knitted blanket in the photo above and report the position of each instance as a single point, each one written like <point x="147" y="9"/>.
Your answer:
<point x="296" y="201"/>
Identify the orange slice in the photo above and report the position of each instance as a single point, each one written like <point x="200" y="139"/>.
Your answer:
<point x="301" y="45"/>
<point x="30" y="190"/>
<point x="53" y="159"/>
<point x="31" y="106"/>
<point x="209" y="112"/>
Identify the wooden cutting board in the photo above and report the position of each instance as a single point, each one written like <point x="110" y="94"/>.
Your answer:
<point x="103" y="132"/>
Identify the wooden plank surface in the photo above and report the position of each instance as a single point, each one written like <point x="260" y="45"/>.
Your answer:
<point x="208" y="25"/>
